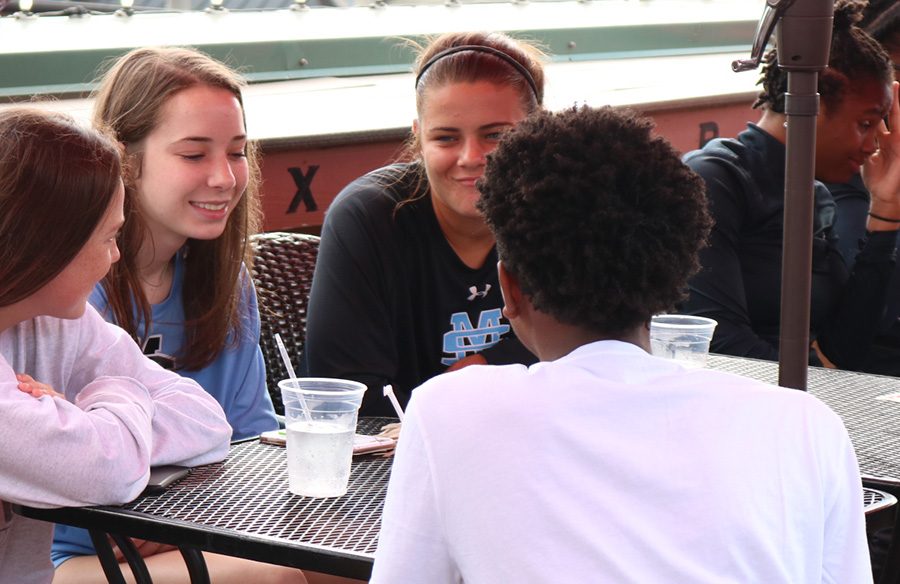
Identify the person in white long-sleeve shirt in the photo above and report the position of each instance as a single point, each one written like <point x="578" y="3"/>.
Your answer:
<point x="116" y="413"/>
<point x="603" y="463"/>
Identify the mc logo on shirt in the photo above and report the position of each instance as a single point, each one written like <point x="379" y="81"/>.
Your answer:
<point x="464" y="339"/>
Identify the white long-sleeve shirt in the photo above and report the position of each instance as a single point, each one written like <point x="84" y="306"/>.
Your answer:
<point x="610" y="465"/>
<point x="122" y="414"/>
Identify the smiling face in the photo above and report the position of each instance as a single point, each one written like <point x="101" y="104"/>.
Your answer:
<point x="460" y="123"/>
<point x="845" y="133"/>
<point x="65" y="295"/>
<point x="194" y="167"/>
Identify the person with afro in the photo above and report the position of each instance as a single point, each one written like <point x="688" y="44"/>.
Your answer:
<point x="603" y="463"/>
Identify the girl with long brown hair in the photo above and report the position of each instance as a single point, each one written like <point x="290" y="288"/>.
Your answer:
<point x="61" y="200"/>
<point x="182" y="289"/>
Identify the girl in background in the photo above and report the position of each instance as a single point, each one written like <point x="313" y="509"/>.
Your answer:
<point x="881" y="19"/>
<point x="740" y="282"/>
<point x="405" y="285"/>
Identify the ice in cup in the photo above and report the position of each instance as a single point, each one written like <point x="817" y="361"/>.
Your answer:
<point x="682" y="337"/>
<point x="320" y="442"/>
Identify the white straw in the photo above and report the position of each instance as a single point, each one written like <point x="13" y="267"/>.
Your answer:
<point x="389" y="392"/>
<point x="292" y="375"/>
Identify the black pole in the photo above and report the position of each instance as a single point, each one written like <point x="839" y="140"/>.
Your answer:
<point x="803" y="39"/>
<point x="804" y="42"/>
<point x="801" y="107"/>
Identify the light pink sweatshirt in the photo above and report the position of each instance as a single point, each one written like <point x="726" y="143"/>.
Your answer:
<point x="122" y="414"/>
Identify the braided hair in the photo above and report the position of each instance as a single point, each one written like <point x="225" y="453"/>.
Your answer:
<point x="882" y="20"/>
<point x="855" y="56"/>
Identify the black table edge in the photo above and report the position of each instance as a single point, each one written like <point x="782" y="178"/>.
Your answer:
<point x="216" y="540"/>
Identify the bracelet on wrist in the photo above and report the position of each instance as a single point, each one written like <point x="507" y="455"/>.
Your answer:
<point x="880" y="218"/>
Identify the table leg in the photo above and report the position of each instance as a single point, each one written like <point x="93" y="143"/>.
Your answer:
<point x="134" y="559"/>
<point x="196" y="565"/>
<point x="193" y="559"/>
<point x="107" y="557"/>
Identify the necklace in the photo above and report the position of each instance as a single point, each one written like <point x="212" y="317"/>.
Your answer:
<point x="158" y="291"/>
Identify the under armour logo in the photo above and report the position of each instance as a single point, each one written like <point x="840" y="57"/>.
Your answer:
<point x="476" y="294"/>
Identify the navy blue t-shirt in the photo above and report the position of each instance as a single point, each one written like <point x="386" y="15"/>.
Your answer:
<point x="391" y="302"/>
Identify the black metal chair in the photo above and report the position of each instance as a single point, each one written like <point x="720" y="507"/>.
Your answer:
<point x="283" y="271"/>
<point x="882" y="524"/>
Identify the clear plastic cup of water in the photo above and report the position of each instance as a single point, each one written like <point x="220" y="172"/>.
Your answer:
<point x="320" y="439"/>
<point x="682" y="337"/>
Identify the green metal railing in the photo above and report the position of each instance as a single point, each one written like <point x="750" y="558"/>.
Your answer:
<point x="62" y="55"/>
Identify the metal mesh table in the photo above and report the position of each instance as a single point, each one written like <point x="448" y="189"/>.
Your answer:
<point x="868" y="404"/>
<point x="242" y="507"/>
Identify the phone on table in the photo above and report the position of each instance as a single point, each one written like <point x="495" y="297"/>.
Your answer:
<point x="362" y="443"/>
<point x="163" y="476"/>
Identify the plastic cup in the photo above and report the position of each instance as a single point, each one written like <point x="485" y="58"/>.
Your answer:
<point x="320" y="447"/>
<point x="681" y="337"/>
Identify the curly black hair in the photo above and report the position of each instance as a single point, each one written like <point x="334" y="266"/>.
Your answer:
<point x="598" y="219"/>
<point x="854" y="56"/>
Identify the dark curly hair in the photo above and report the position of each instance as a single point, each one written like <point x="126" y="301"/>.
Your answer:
<point x="597" y="218"/>
<point x="855" y="56"/>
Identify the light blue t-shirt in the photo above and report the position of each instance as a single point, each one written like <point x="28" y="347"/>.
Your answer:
<point x="237" y="378"/>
